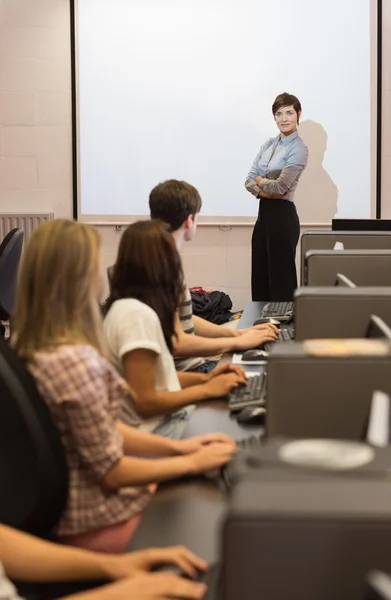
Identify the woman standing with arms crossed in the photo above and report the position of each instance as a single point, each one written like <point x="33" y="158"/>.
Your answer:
<point x="273" y="178"/>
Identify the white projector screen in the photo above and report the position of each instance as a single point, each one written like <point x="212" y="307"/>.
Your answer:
<point x="183" y="89"/>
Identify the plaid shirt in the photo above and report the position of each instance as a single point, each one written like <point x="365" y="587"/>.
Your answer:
<point x="84" y="394"/>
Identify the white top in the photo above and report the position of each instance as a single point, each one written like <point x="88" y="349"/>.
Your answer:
<point x="7" y="590"/>
<point x="131" y="325"/>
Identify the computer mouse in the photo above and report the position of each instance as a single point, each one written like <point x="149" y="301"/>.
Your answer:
<point x="264" y="320"/>
<point x="255" y="355"/>
<point x="252" y="415"/>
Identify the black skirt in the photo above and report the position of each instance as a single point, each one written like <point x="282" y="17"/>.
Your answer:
<point x="275" y="237"/>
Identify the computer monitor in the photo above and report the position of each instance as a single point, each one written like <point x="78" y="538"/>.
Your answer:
<point x="361" y="224"/>
<point x="378" y="431"/>
<point x="342" y="281"/>
<point x="378" y="329"/>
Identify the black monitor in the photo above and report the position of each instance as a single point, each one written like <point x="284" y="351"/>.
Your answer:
<point x="378" y="329"/>
<point x="361" y="225"/>
<point x="343" y="281"/>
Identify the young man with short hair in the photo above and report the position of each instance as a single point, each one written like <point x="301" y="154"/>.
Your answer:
<point x="178" y="203"/>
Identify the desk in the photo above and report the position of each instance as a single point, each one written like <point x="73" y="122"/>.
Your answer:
<point x="252" y="311"/>
<point x="190" y="512"/>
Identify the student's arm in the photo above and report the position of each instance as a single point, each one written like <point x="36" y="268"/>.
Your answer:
<point x="100" y="445"/>
<point x="204" y="328"/>
<point x="138" y="471"/>
<point x="140" y="373"/>
<point x="27" y="558"/>
<point x="186" y="344"/>
<point x="142" y="443"/>
<point x="154" y="586"/>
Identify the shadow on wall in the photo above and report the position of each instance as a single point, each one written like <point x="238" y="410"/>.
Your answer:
<point x="317" y="195"/>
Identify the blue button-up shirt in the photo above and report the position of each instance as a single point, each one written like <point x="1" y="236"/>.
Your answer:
<point x="280" y="162"/>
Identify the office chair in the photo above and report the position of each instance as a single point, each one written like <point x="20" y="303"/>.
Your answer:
<point x="10" y="253"/>
<point x="33" y="469"/>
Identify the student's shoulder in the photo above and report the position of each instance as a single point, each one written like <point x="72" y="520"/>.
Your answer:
<point x="63" y="365"/>
<point x="68" y="354"/>
<point x="129" y="308"/>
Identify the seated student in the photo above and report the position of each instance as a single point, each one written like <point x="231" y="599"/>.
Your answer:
<point x="139" y="328"/>
<point x="31" y="560"/>
<point x="178" y="203"/>
<point x="58" y="330"/>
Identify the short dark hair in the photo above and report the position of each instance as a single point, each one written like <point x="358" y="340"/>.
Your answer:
<point x="286" y="99"/>
<point x="148" y="268"/>
<point x="173" y="201"/>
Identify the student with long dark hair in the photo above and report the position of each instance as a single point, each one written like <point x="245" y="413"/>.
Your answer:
<point x="140" y="328"/>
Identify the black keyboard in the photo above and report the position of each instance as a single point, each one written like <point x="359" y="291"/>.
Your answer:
<point x="285" y="335"/>
<point x="228" y="474"/>
<point x="212" y="578"/>
<point x="252" y="394"/>
<point x="279" y="310"/>
<point x="251" y="442"/>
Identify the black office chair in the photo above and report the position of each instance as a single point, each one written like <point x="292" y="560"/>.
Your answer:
<point x="10" y="253"/>
<point x="33" y="468"/>
<point x="378" y="586"/>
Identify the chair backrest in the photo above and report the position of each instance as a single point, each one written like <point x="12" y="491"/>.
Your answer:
<point x="10" y="253"/>
<point x="33" y="468"/>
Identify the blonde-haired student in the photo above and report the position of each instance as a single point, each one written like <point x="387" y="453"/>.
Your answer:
<point x="57" y="329"/>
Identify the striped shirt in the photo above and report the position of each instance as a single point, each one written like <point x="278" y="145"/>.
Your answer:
<point x="185" y="311"/>
<point x="85" y="394"/>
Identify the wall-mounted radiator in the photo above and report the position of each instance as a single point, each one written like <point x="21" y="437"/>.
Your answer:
<point x="25" y="221"/>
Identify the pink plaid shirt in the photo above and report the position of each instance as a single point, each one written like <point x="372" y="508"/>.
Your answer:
<point x="84" y="394"/>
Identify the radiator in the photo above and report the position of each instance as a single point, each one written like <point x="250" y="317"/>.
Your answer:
<point x="24" y="221"/>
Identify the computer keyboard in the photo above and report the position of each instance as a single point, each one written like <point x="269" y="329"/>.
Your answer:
<point x="213" y="579"/>
<point x="252" y="394"/>
<point x="278" y="310"/>
<point x="251" y="442"/>
<point x="285" y="335"/>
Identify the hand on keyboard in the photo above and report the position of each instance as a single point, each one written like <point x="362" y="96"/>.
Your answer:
<point x="255" y="337"/>
<point x="159" y="586"/>
<point x="193" y="444"/>
<point x="210" y="457"/>
<point x="221" y="385"/>
<point x="226" y="368"/>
